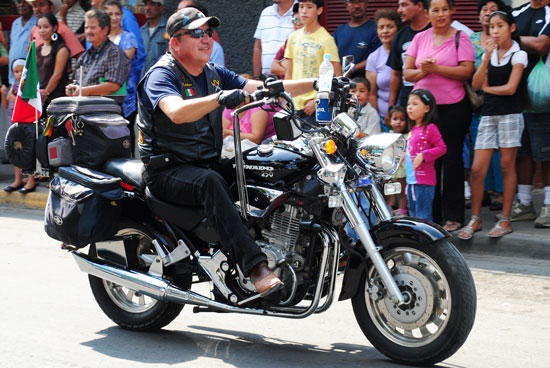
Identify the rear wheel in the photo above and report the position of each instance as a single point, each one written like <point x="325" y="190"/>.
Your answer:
<point x="131" y="309"/>
<point x="441" y="306"/>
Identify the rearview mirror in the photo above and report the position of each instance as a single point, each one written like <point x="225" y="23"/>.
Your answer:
<point x="347" y="65"/>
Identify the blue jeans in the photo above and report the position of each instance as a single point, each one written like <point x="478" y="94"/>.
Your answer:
<point x="352" y="234"/>
<point x="419" y="200"/>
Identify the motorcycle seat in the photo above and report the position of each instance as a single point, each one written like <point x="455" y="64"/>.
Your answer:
<point x="185" y="217"/>
<point x="129" y="170"/>
<point x="188" y="218"/>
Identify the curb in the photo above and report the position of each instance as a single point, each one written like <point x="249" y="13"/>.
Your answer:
<point x="35" y="200"/>
<point x="515" y="244"/>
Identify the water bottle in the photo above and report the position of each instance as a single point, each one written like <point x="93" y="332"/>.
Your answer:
<point x="323" y="111"/>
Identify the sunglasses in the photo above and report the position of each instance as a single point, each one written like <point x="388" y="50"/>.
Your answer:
<point x="198" y="33"/>
<point x="296" y="21"/>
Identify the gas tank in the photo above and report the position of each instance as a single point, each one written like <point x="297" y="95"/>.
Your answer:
<point x="278" y="163"/>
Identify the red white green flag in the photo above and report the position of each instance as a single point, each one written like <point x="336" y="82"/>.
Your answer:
<point x="28" y="105"/>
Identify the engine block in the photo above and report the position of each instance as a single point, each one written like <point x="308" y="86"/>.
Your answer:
<point x="284" y="228"/>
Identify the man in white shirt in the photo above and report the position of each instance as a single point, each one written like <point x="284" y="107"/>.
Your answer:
<point x="274" y="27"/>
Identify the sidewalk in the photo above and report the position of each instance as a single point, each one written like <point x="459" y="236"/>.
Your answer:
<point x="36" y="199"/>
<point x="525" y="242"/>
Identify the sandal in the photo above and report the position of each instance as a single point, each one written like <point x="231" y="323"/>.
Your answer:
<point x="498" y="231"/>
<point x="451" y="226"/>
<point x="468" y="231"/>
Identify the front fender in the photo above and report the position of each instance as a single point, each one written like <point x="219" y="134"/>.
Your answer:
<point x="394" y="232"/>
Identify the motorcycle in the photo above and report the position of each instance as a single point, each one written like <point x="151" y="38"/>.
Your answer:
<point x="412" y="293"/>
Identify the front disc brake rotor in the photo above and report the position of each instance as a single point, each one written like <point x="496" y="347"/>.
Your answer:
<point x="418" y="309"/>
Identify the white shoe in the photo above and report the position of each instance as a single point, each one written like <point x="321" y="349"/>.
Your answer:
<point x="544" y="218"/>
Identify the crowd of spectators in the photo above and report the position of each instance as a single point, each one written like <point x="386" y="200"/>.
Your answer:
<point x="417" y="46"/>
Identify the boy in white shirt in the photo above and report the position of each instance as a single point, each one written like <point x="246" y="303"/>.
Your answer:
<point x="369" y="120"/>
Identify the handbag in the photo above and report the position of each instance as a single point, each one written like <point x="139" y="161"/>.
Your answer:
<point x="474" y="95"/>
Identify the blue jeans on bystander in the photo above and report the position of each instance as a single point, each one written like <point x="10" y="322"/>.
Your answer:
<point x="419" y="200"/>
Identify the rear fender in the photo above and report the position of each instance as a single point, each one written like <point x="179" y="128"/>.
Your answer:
<point x="386" y="234"/>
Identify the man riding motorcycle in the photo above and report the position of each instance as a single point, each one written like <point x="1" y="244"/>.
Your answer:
<point x="180" y="135"/>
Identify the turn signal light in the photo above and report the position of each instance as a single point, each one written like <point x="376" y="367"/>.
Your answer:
<point x="330" y="146"/>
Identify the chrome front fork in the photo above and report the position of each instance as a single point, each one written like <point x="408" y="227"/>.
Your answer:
<point x="358" y="224"/>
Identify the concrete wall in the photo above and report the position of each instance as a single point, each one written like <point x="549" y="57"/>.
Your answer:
<point x="238" y="23"/>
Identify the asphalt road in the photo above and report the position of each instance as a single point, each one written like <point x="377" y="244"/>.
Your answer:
<point x="50" y="319"/>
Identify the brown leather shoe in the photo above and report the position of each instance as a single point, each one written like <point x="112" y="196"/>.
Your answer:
<point x="265" y="281"/>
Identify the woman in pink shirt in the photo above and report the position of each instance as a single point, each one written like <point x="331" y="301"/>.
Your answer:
<point x="440" y="60"/>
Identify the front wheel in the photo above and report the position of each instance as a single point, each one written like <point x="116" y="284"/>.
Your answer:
<point x="128" y="308"/>
<point x="441" y="306"/>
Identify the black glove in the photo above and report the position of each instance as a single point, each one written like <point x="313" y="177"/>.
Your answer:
<point x="232" y="98"/>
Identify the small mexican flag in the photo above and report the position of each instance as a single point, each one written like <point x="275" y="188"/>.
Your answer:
<point x="28" y="105"/>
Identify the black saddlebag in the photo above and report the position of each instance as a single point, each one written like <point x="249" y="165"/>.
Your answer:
<point x="97" y="130"/>
<point x="83" y="206"/>
<point x="100" y="137"/>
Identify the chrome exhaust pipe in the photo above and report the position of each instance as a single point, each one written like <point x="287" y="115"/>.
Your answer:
<point x="153" y="286"/>
<point x="158" y="288"/>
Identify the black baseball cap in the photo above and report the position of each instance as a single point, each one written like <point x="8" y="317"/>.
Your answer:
<point x="189" y="18"/>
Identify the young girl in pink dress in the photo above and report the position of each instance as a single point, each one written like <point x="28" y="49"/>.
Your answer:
<point x="425" y="145"/>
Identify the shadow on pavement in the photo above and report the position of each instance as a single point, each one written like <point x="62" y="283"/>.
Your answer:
<point x="238" y="348"/>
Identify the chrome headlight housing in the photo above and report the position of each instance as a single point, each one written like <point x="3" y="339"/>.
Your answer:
<point x="382" y="152"/>
<point x="344" y="125"/>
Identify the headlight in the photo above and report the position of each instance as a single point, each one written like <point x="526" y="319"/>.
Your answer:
<point x="383" y="152"/>
<point x="344" y="125"/>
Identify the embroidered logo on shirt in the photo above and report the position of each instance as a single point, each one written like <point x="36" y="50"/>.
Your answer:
<point x="187" y="84"/>
<point x="362" y="45"/>
<point x="189" y="92"/>
<point x="215" y="83"/>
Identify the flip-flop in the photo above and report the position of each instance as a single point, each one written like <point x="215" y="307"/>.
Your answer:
<point x="451" y="226"/>
<point x="469" y="229"/>
<point x="498" y="231"/>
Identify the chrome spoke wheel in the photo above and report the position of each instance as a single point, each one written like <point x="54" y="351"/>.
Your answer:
<point x="427" y="311"/>
<point x="129" y="300"/>
<point x="126" y="299"/>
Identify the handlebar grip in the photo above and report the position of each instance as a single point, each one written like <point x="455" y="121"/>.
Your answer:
<point x="272" y="88"/>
